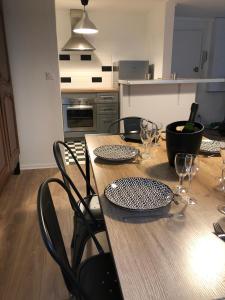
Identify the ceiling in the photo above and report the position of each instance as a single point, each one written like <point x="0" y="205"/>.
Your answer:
<point x="122" y="5"/>
<point x="201" y="8"/>
<point x="188" y="8"/>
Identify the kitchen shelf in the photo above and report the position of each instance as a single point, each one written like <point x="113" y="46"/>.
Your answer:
<point x="170" y="81"/>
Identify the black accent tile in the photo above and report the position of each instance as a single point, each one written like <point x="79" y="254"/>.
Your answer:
<point x="85" y="57"/>
<point x="65" y="79"/>
<point x="96" y="79"/>
<point x="115" y="68"/>
<point x="106" y="69"/>
<point x="64" y="57"/>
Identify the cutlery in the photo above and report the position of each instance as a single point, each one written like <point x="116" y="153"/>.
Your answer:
<point x="219" y="231"/>
<point x="138" y="217"/>
<point x="172" y="197"/>
<point x="174" y="200"/>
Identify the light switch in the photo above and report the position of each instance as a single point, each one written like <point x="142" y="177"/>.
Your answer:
<point x="49" y="76"/>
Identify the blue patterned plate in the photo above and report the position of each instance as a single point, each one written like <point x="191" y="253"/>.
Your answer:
<point x="137" y="193"/>
<point x="211" y="146"/>
<point x="116" y="152"/>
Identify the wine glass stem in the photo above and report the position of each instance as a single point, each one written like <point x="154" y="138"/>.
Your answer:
<point x="190" y="181"/>
<point x="223" y="175"/>
<point x="181" y="179"/>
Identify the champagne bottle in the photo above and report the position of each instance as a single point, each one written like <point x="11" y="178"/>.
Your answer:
<point x="190" y="125"/>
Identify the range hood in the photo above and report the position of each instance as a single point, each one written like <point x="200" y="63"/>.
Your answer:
<point x="77" y="42"/>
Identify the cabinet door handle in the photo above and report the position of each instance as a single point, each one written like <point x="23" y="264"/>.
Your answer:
<point x="106" y="97"/>
<point x="79" y="107"/>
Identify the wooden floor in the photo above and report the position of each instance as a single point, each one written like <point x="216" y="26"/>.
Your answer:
<point x="27" y="272"/>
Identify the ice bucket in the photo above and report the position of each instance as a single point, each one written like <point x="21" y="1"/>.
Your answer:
<point x="182" y="142"/>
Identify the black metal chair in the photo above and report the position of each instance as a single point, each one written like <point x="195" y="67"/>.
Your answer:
<point x="95" y="278"/>
<point x="93" y="217"/>
<point x="130" y="131"/>
<point x="92" y="199"/>
<point x="130" y="124"/>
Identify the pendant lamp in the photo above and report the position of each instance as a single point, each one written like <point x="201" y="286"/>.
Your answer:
<point x="85" y="25"/>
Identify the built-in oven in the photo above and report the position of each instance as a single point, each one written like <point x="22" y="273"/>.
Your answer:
<point x="79" y="115"/>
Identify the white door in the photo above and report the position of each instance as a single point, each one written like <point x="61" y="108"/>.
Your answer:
<point x="187" y="49"/>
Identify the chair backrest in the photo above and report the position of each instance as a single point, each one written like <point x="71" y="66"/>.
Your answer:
<point x="59" y="159"/>
<point x="66" y="178"/>
<point x="130" y="124"/>
<point x="52" y="236"/>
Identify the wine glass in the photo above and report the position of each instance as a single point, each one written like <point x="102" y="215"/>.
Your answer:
<point x="192" y="171"/>
<point x="147" y="135"/>
<point x="144" y="124"/>
<point x="159" y="127"/>
<point x="221" y="208"/>
<point x="152" y="130"/>
<point x="145" y="140"/>
<point x="182" y="165"/>
<point x="221" y="186"/>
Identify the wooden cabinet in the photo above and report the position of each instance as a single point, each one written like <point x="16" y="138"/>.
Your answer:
<point x="104" y="121"/>
<point x="9" y="119"/>
<point x="9" y="146"/>
<point x="4" y="167"/>
<point x="107" y="111"/>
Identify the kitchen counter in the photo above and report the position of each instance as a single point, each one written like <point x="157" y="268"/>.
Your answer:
<point x="158" y="100"/>
<point x="171" y="81"/>
<point x="100" y="90"/>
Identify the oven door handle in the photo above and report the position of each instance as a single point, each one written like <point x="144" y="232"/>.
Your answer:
<point x="81" y="107"/>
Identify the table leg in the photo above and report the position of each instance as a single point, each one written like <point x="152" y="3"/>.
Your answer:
<point x="88" y="190"/>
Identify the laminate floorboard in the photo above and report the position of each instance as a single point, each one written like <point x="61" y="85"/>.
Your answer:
<point x="27" y="272"/>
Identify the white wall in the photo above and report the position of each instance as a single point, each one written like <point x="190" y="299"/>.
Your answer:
<point x="32" y="47"/>
<point x="211" y="105"/>
<point x="160" y="23"/>
<point x="168" y="38"/>
<point x="155" y="38"/>
<point x="121" y="36"/>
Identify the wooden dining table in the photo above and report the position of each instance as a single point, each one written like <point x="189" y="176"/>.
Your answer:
<point x="173" y="255"/>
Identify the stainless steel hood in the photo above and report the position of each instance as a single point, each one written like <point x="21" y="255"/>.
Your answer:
<point x="77" y="42"/>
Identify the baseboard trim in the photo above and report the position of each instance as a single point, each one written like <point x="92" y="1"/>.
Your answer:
<point x="37" y="166"/>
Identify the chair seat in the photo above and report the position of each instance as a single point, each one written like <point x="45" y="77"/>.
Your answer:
<point x="94" y="204"/>
<point x="97" y="277"/>
<point x="94" y="207"/>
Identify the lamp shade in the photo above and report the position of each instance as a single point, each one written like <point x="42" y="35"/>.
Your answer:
<point x="85" y="26"/>
<point x="78" y="43"/>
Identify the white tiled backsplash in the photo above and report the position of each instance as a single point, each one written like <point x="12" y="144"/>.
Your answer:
<point x="81" y="72"/>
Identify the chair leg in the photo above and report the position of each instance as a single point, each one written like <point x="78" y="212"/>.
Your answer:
<point x="72" y="242"/>
<point x="80" y="238"/>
